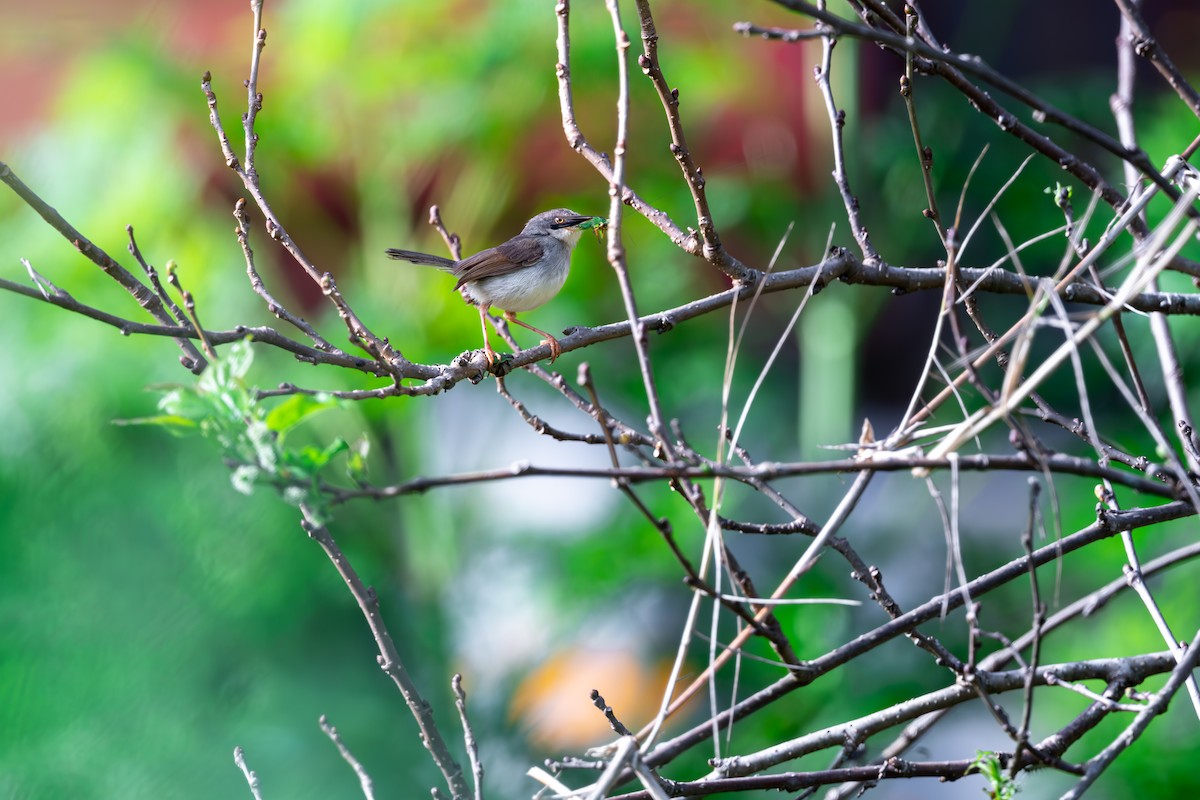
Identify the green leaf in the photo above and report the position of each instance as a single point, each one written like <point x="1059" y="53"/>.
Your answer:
<point x="356" y="461"/>
<point x="310" y="459"/>
<point x="170" y="421"/>
<point x="296" y="409"/>
<point x="238" y="359"/>
<point x="183" y="401"/>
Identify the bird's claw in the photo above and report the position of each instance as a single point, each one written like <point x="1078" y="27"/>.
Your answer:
<point x="499" y="364"/>
<point x="555" y="348"/>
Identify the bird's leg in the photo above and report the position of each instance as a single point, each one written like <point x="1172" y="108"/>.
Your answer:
<point x="487" y="346"/>
<point x="555" y="347"/>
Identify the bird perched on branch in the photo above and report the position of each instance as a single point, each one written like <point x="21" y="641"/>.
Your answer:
<point x="519" y="275"/>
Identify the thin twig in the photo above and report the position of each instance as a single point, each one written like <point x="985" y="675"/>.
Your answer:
<point x="1179" y="676"/>
<point x="689" y="242"/>
<point x="837" y="123"/>
<point x="144" y="295"/>
<point x="364" y="779"/>
<point x="711" y="248"/>
<point x="389" y="656"/>
<point x="460" y="702"/>
<point x="239" y="758"/>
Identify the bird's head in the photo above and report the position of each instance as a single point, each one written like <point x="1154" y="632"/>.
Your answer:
<point x="563" y="224"/>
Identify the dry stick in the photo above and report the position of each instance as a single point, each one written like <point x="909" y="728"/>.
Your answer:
<point x="954" y="251"/>
<point x="924" y="152"/>
<point x="460" y="702"/>
<point x="1078" y="245"/>
<point x="901" y="434"/>
<point x="616" y="258"/>
<point x="626" y="749"/>
<point x="438" y="378"/>
<point x="982" y="462"/>
<point x="616" y="246"/>
<point x="949" y="238"/>
<point x="543" y="428"/>
<point x="1151" y="425"/>
<point x="262" y="334"/>
<point x="192" y="359"/>
<point x="799" y="520"/>
<point x="624" y="757"/>
<point x="189" y="307"/>
<point x="1085" y="405"/>
<point x="1172" y="371"/>
<point x="1084" y="606"/>
<point x="1108" y="524"/>
<point x="631" y="438"/>
<point x="690" y="242"/>
<point x="1134" y="669"/>
<point x="713" y="540"/>
<point x="954" y="66"/>
<point x="1186" y="487"/>
<point x="360" y="335"/>
<point x="616" y="251"/>
<point x="805" y="563"/>
<point x="1147" y="47"/>
<point x="1136" y="580"/>
<point x="712" y="249"/>
<point x="256" y="283"/>
<point x="453" y="243"/>
<point x="1174" y="165"/>
<point x="714" y="544"/>
<point x="662" y="525"/>
<point x="1046" y="412"/>
<point x="955" y="562"/>
<point x="1158" y="705"/>
<point x="389" y="656"/>
<point x="986" y="417"/>
<point x="152" y="274"/>
<point x="1028" y="441"/>
<point x="364" y="779"/>
<point x="239" y="758"/>
<point x="45" y="287"/>
<point x="1105" y="699"/>
<point x="1010" y="254"/>
<point x="714" y="550"/>
<point x="837" y="123"/>
<point x="1121" y="104"/>
<point x="1035" y="629"/>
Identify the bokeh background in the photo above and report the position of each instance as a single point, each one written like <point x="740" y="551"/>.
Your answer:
<point x="151" y="618"/>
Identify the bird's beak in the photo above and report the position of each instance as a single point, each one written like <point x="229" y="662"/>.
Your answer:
<point x="581" y="222"/>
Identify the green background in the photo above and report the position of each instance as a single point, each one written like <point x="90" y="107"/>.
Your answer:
<point x="151" y="618"/>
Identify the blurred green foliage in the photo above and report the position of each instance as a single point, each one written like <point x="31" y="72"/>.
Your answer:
<point x="153" y="618"/>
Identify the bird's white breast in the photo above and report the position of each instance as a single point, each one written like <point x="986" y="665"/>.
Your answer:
<point x="523" y="290"/>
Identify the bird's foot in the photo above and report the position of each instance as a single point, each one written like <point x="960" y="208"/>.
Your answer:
<point x="555" y="347"/>
<point x="499" y="364"/>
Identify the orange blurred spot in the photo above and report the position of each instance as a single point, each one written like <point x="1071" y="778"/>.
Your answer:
<point x="553" y="702"/>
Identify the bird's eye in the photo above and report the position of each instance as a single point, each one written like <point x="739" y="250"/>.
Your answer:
<point x="559" y="220"/>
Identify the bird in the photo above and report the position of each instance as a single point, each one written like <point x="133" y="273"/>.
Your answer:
<point x="523" y="273"/>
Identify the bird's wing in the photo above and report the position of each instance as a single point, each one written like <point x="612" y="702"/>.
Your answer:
<point x="515" y="254"/>
<point x="421" y="258"/>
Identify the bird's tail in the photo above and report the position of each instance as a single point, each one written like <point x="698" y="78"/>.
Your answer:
<point x="420" y="258"/>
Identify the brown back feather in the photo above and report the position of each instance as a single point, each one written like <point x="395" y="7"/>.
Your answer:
<point x="513" y="255"/>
